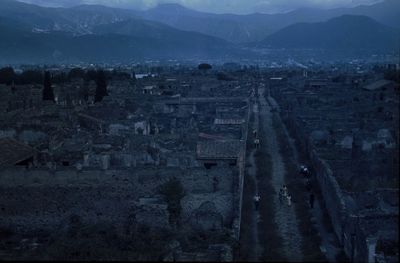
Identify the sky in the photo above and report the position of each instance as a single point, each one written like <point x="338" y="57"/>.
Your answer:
<point x="217" y="6"/>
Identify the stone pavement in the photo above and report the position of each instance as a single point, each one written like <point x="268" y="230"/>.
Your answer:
<point x="285" y="216"/>
<point x="329" y="246"/>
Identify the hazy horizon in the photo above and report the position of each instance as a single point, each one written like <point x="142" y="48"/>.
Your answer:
<point x="223" y="6"/>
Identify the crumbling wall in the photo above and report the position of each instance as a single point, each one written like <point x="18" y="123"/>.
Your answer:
<point x="222" y="203"/>
<point x="331" y="193"/>
<point x="40" y="200"/>
<point x="30" y="209"/>
<point x="328" y="184"/>
<point x="239" y="180"/>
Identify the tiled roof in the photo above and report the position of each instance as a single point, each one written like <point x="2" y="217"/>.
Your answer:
<point x="13" y="152"/>
<point x="229" y="149"/>
<point x="377" y="84"/>
<point x="229" y="121"/>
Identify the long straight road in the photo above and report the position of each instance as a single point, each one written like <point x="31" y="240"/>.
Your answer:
<point x="329" y="243"/>
<point x="252" y="250"/>
<point x="285" y="216"/>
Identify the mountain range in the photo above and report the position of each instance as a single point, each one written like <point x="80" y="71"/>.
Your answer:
<point x="98" y="33"/>
<point x="21" y="45"/>
<point x="78" y="20"/>
<point x="255" y="27"/>
<point x="239" y="28"/>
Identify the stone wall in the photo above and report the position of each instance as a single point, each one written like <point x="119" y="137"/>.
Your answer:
<point x="239" y="182"/>
<point x="358" y="243"/>
<point x="331" y="193"/>
<point x="39" y="200"/>
<point x="330" y="189"/>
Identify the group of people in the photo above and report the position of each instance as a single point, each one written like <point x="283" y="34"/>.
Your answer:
<point x="283" y="193"/>
<point x="304" y="171"/>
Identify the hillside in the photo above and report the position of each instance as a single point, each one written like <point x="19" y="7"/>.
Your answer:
<point x="255" y="27"/>
<point x="344" y="32"/>
<point x="95" y="33"/>
<point x="20" y="46"/>
<point x="230" y="27"/>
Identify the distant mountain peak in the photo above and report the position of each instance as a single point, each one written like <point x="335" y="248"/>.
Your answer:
<point x="348" y="17"/>
<point x="172" y="8"/>
<point x="347" y="32"/>
<point x="352" y="20"/>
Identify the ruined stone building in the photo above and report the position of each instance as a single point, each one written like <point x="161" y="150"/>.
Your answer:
<point x="349" y="131"/>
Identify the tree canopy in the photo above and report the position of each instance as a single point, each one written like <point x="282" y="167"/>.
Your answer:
<point x="7" y="75"/>
<point x="173" y="193"/>
<point x="47" y="88"/>
<point x="76" y="73"/>
<point x="101" y="88"/>
<point x="204" y="66"/>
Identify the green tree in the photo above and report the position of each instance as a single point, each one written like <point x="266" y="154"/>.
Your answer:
<point x="60" y="78"/>
<point x="204" y="66"/>
<point x="91" y="75"/>
<point x="76" y="73"/>
<point x="393" y="75"/>
<point x="223" y="76"/>
<point x="101" y="88"/>
<point x="31" y="77"/>
<point x="84" y="91"/>
<point x="133" y="76"/>
<point x="47" y="88"/>
<point x="173" y="193"/>
<point x="7" y="75"/>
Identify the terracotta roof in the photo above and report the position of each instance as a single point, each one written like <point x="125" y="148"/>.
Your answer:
<point x="229" y="121"/>
<point x="377" y="84"/>
<point x="210" y="136"/>
<point x="13" y="152"/>
<point x="229" y="149"/>
<point x="91" y="118"/>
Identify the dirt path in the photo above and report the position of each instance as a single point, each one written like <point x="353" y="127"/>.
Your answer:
<point x="285" y="216"/>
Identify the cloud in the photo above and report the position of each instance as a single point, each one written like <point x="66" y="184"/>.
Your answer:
<point x="217" y="6"/>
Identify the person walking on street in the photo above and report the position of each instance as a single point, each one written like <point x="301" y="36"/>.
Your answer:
<point x="284" y="190"/>
<point x="256" y="201"/>
<point x="289" y="199"/>
<point x="312" y="200"/>
<point x="280" y="195"/>
<point x="308" y="184"/>
<point x="304" y="171"/>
